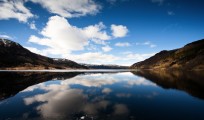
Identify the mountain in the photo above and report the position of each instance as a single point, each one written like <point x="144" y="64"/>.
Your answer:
<point x="189" y="57"/>
<point x="14" y="56"/>
<point x="92" y="66"/>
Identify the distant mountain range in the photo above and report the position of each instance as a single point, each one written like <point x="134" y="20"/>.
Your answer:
<point x="14" y="56"/>
<point x="189" y="57"/>
<point x="92" y="66"/>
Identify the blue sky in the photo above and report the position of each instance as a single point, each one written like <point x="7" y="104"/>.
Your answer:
<point x="102" y="31"/>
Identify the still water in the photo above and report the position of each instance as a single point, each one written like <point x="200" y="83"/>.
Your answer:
<point x="111" y="95"/>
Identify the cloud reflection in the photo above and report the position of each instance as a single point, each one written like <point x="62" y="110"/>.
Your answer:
<point x="106" y="90"/>
<point x="107" y="79"/>
<point x="61" y="100"/>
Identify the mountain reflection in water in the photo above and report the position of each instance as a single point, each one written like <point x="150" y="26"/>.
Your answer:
<point x="119" y="95"/>
<point x="191" y="82"/>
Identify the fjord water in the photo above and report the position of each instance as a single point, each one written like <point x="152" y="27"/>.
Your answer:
<point x="134" y="95"/>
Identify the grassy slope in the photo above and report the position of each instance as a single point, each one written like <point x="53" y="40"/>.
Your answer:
<point x="191" y="56"/>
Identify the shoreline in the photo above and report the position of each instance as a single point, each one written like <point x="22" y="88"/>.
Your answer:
<point x="71" y="70"/>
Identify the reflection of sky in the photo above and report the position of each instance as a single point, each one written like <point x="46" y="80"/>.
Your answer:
<point x="94" y="95"/>
<point x="61" y="97"/>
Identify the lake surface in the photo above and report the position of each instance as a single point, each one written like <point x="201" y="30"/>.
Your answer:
<point x="102" y="95"/>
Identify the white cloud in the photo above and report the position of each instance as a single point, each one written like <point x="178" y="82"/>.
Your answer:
<point x="159" y="2"/>
<point x="119" y="30"/>
<point x="100" y="42"/>
<point x="66" y="8"/>
<point x="96" y="32"/>
<point x="32" y="26"/>
<point x="137" y="57"/>
<point x="37" y="51"/>
<point x="152" y="46"/>
<point x="92" y="57"/>
<point x="147" y="43"/>
<point x="124" y="44"/>
<point x="91" y="47"/>
<point x="5" y="36"/>
<point x="62" y="38"/>
<point x="14" y="9"/>
<point x="70" y="8"/>
<point x="126" y="52"/>
<point x="106" y="48"/>
<point x="101" y="58"/>
<point x="32" y="49"/>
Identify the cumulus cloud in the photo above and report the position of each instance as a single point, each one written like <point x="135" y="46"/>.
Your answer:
<point x="119" y="30"/>
<point x="106" y="48"/>
<point x="124" y="44"/>
<point x="92" y="57"/>
<point x="96" y="32"/>
<point x="70" y="8"/>
<point x="14" y="9"/>
<point x="62" y="38"/>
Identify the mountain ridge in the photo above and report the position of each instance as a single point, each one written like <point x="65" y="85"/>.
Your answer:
<point x="189" y="57"/>
<point x="105" y="66"/>
<point x="14" y="56"/>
